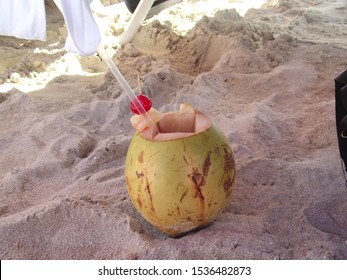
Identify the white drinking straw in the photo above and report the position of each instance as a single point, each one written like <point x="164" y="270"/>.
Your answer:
<point x="124" y="84"/>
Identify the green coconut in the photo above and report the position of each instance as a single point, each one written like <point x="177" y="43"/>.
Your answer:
<point x="180" y="175"/>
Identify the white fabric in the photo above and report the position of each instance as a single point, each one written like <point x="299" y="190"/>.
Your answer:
<point x="83" y="32"/>
<point x="24" y="19"/>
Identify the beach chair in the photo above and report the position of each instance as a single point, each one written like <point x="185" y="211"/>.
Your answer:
<point x="143" y="10"/>
<point x="135" y="22"/>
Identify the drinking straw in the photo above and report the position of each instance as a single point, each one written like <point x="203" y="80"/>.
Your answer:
<point x="124" y="84"/>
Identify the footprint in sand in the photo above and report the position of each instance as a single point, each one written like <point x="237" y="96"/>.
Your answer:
<point x="329" y="216"/>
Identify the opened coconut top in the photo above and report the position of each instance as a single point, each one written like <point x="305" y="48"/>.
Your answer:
<point x="172" y="125"/>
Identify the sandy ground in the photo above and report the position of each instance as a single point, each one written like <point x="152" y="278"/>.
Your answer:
<point x="266" y="77"/>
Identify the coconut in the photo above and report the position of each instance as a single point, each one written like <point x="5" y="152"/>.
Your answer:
<point x="180" y="172"/>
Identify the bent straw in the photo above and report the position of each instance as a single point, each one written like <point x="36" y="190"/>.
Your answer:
<point x="124" y="84"/>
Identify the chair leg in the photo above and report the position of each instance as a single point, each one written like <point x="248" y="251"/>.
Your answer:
<point x="135" y="22"/>
<point x="58" y="4"/>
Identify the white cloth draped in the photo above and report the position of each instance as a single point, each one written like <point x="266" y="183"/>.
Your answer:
<point x="25" y="19"/>
<point x="83" y="32"/>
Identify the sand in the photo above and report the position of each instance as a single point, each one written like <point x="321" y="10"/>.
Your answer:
<point x="264" y="75"/>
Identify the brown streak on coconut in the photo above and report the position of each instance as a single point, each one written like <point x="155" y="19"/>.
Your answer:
<point x="228" y="184"/>
<point x="229" y="160"/>
<point x="228" y="165"/>
<point x="127" y="180"/>
<point x="196" y="177"/>
<point x="148" y="190"/>
<point x="207" y="164"/>
<point x="183" y="195"/>
<point x="185" y="160"/>
<point x="139" y="202"/>
<point x="178" y="210"/>
<point x="140" y="157"/>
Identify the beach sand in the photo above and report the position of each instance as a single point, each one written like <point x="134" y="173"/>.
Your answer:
<point x="265" y="76"/>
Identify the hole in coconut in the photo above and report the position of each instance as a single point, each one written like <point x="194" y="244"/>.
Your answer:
<point x="178" y="125"/>
<point x="177" y="122"/>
